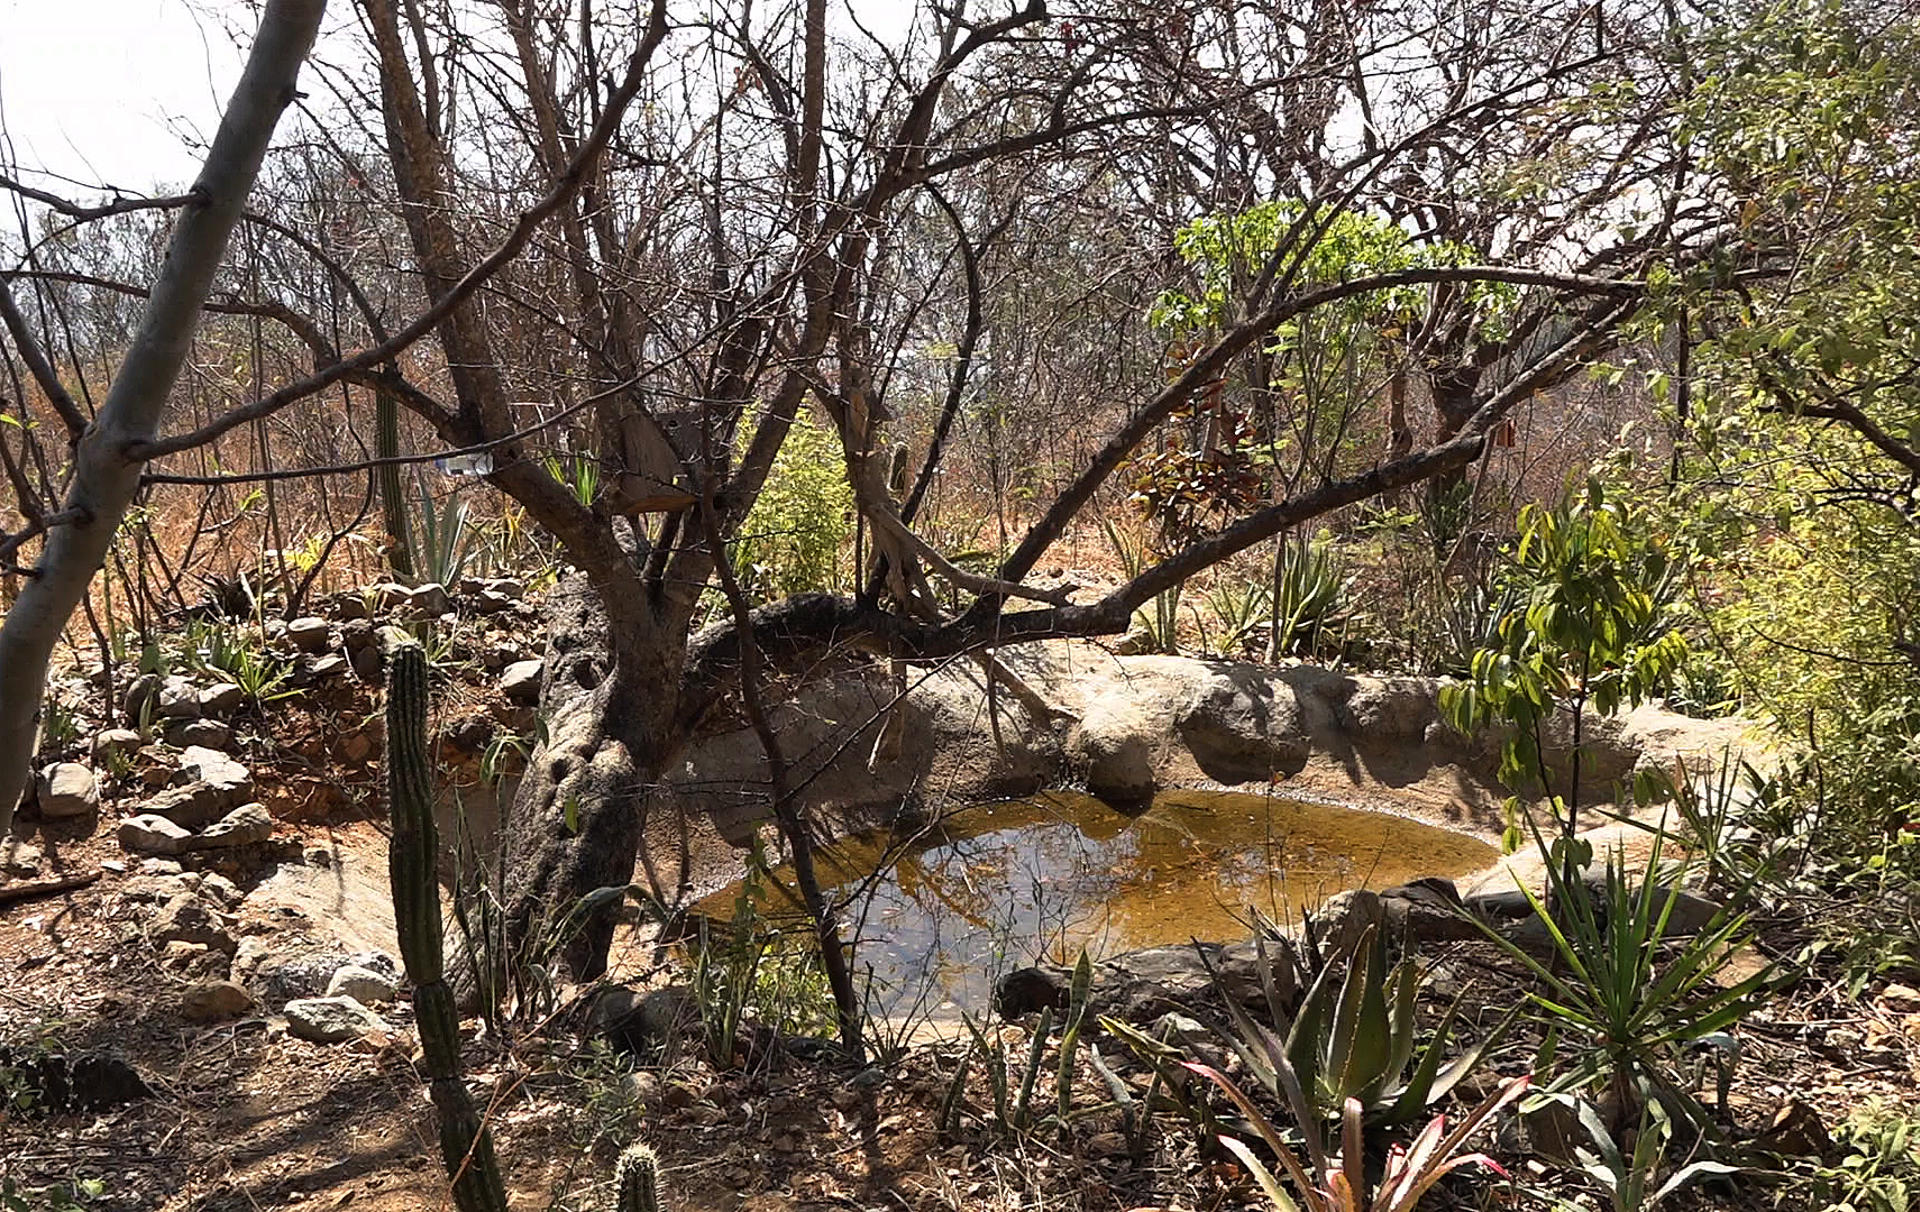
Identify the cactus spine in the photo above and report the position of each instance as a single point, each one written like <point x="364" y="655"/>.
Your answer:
<point x="637" y="1175"/>
<point x="465" y="1143"/>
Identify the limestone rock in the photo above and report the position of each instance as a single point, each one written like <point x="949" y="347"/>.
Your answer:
<point x="179" y="699"/>
<point x="123" y="742"/>
<point x="1142" y="986"/>
<point x="19" y="857"/>
<point x="379" y="963"/>
<point x="1114" y="742"/>
<point x="218" y="771"/>
<point x="202" y="733"/>
<point x="68" y="789"/>
<point x="520" y="682"/>
<point x="1344" y="917"/>
<point x="429" y="600"/>
<point x="310" y="634"/>
<point x="244" y="826"/>
<point x="1241" y="726"/>
<point x="215" y="1002"/>
<point x="328" y="667"/>
<point x="196" y="961"/>
<point x="221" y="891"/>
<point x="186" y="919"/>
<point x="148" y="834"/>
<point x="190" y="806"/>
<point x="154" y="889"/>
<point x="361" y="984"/>
<point x="330" y="1020"/>
<point x="222" y="698"/>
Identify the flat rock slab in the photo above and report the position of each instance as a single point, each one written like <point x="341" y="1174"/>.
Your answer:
<point x="218" y="771"/>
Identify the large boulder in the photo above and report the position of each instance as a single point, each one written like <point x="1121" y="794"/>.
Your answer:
<point x="1241" y="726"/>
<point x="1115" y="742"/>
<point x="147" y="834"/>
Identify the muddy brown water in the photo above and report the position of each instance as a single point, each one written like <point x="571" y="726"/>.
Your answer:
<point x="998" y="886"/>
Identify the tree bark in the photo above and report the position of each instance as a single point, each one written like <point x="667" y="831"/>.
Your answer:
<point x="105" y="477"/>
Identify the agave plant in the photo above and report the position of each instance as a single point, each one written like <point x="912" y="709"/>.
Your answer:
<point x="439" y="538"/>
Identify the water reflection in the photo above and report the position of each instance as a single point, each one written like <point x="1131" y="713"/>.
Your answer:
<point x="1000" y="885"/>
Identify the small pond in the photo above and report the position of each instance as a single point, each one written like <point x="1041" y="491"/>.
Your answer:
<point x="998" y="886"/>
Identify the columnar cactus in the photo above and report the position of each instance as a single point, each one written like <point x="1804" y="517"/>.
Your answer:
<point x="465" y="1143"/>
<point x="637" y="1176"/>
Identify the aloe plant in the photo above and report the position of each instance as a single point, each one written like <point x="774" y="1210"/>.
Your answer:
<point x="440" y="538"/>
<point x="1307" y="589"/>
<point x="1014" y="1109"/>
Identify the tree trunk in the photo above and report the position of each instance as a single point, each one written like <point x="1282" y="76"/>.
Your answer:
<point x="104" y="477"/>
<point x="575" y="825"/>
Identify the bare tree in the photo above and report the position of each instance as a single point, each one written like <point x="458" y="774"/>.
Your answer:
<point x="672" y="236"/>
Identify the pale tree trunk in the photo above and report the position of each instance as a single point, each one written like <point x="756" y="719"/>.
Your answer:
<point x="104" y="477"/>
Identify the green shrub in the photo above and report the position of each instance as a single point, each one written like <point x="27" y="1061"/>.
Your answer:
<point x="792" y="538"/>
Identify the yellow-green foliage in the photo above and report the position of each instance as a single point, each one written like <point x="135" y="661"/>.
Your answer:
<point x="793" y="536"/>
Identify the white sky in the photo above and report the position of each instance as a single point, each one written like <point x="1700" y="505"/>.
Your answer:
<point x="102" y="91"/>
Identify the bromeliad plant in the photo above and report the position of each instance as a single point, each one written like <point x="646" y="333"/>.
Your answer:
<point x="1327" y="1185"/>
<point x="1355" y="1039"/>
